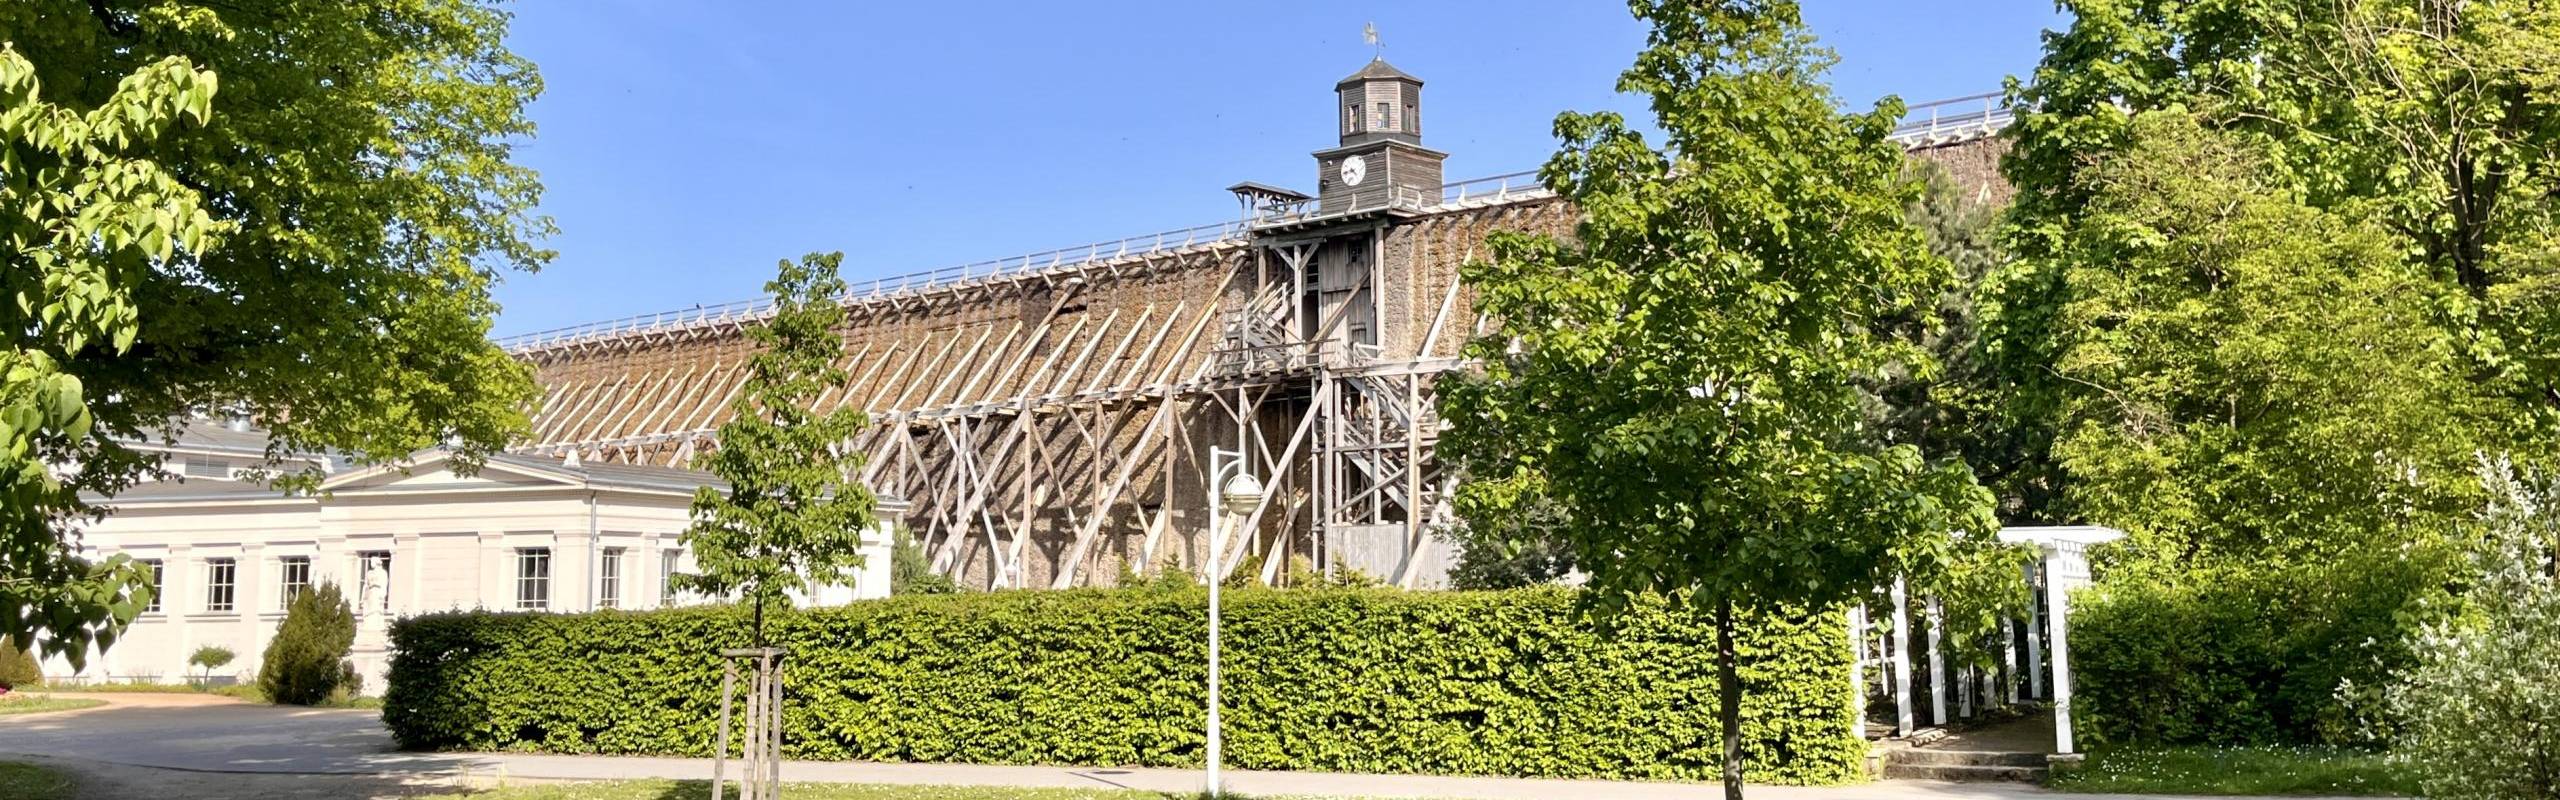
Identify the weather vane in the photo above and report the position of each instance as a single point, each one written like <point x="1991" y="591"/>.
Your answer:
<point x="1369" y="33"/>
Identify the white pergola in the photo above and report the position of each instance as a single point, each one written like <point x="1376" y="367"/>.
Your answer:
<point x="2061" y="565"/>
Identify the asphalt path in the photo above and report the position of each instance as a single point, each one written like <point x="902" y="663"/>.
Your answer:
<point x="217" y="746"/>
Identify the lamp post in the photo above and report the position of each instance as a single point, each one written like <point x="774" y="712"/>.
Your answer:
<point x="1235" y="493"/>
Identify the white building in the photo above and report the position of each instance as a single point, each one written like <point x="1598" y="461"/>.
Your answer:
<point x="524" y="533"/>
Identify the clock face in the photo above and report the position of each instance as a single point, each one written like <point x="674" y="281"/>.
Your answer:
<point x="1354" y="169"/>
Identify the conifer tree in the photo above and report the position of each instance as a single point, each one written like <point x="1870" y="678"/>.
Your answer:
<point x="306" y="662"/>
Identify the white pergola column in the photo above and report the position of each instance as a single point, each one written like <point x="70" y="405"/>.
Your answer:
<point x="1937" y="668"/>
<point x="2035" y="635"/>
<point x="1901" y="640"/>
<point x="2059" y="600"/>
<point x="2009" y="661"/>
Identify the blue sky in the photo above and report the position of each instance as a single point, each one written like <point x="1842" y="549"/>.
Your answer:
<point x="686" y="146"/>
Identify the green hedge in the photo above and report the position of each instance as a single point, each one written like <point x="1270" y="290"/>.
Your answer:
<point x="1489" y="683"/>
<point x="2240" y="656"/>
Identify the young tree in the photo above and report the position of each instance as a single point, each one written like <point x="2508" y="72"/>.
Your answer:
<point x="306" y="662"/>
<point x="209" y="658"/>
<point x="1683" y="373"/>
<point x="794" y="509"/>
<point x="311" y="244"/>
<point x="911" y="571"/>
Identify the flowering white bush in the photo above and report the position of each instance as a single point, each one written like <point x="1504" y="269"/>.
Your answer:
<point x="2481" y="709"/>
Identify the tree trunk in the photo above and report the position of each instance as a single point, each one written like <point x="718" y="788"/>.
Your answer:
<point x="759" y="625"/>
<point x="1729" y="700"/>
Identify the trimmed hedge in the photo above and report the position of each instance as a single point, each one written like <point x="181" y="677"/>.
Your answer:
<point x="1488" y="683"/>
<point x="2241" y="656"/>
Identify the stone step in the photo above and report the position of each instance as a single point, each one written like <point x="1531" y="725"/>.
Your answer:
<point x="1967" y="758"/>
<point x="1963" y="772"/>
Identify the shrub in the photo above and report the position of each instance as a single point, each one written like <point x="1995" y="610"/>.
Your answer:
<point x="210" y="657"/>
<point x="306" y="662"/>
<point x="2240" y="656"/>
<point x="1508" y="683"/>
<point x="19" y="668"/>
<point x="2479" y="703"/>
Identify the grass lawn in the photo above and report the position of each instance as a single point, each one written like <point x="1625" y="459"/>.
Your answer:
<point x="2241" y="770"/>
<point x="243" y="691"/>
<point x="30" y="782"/>
<point x="693" y="790"/>
<point x="16" y="703"/>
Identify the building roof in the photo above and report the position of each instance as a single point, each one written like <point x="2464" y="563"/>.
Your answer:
<point x="1268" y="190"/>
<point x="1378" y="69"/>
<point x="202" y="433"/>
<point x="187" y="490"/>
<point x="616" y="476"/>
<point x="592" y="476"/>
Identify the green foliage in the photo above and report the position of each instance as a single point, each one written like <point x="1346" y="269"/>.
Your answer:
<point x="1683" y="374"/>
<point x="794" y="509"/>
<point x="2479" y="703"/>
<point x="20" y="668"/>
<point x="2252" y="378"/>
<point x="2252" y="771"/>
<point x="349" y="171"/>
<point x="911" y="571"/>
<point x="84" y="214"/>
<point x="1951" y="414"/>
<point x="1693" y="406"/>
<point x="306" y="662"/>
<point x="1954" y="411"/>
<point x="701" y="790"/>
<point x="1510" y="533"/>
<point x="2247" y="655"/>
<point x="2428" y="129"/>
<point x="1509" y="683"/>
<point x="210" y="657"/>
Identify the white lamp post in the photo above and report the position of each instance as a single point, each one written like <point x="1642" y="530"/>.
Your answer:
<point x="1236" y="497"/>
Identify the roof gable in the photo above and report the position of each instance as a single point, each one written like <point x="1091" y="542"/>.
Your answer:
<point x="433" y="470"/>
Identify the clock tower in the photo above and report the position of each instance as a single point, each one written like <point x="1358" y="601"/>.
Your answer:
<point x="1381" y="163"/>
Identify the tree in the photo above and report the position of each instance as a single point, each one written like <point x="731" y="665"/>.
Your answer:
<point x="2247" y="376"/>
<point x="306" y="662"/>
<point x="82" y="213"/>
<point x="794" y="509"/>
<point x="1510" y="531"/>
<point x="1952" y="414"/>
<point x="210" y="657"/>
<point x="1683" y="372"/>
<point x="308" y="239"/>
<point x="911" y="571"/>
<point x="2435" y="122"/>
<point x="2478" y="706"/>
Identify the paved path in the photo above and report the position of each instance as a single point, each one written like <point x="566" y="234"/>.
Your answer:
<point x="199" y="734"/>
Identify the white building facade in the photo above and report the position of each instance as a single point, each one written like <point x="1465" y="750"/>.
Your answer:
<point x="523" y="534"/>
